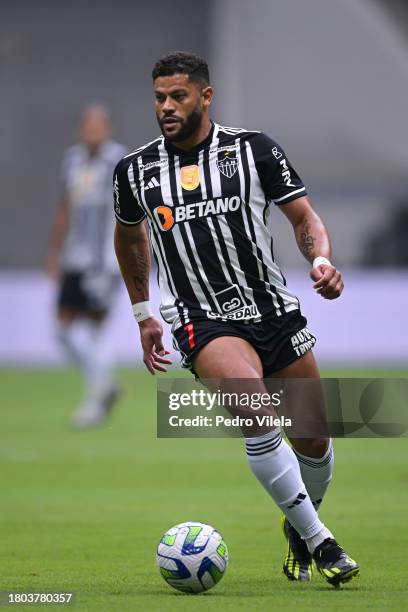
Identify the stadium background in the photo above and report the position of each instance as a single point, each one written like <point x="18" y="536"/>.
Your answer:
<point x="334" y="97"/>
<point x="329" y="81"/>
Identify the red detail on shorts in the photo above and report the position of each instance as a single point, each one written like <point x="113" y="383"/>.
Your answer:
<point x="190" y="330"/>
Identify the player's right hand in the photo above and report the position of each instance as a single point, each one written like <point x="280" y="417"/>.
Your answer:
<point x="151" y="335"/>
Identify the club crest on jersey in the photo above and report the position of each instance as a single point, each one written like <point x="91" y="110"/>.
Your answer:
<point x="227" y="164"/>
<point x="190" y="177"/>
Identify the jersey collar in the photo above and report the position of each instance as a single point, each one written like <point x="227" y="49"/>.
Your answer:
<point x="171" y="148"/>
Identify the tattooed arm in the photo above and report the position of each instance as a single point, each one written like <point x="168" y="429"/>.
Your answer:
<point x="313" y="241"/>
<point x="132" y="251"/>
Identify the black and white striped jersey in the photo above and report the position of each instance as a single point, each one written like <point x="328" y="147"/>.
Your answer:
<point x="87" y="181"/>
<point x="207" y="211"/>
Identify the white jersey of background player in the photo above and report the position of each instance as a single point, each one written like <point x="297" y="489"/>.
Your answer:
<point x="81" y="257"/>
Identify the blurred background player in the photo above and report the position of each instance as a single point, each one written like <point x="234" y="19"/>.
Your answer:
<point x="81" y="259"/>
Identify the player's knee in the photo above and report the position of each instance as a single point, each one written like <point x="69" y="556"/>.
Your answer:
<point x="312" y="447"/>
<point x="319" y="446"/>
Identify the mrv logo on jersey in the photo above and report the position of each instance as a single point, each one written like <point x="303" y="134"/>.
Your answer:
<point x="286" y="174"/>
<point x="166" y="217"/>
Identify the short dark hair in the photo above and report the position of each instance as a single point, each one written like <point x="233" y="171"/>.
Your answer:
<point x="182" y="63"/>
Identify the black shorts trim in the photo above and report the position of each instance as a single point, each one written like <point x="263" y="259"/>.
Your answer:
<point x="279" y="341"/>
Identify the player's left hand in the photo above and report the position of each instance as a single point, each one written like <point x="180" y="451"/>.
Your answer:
<point x="329" y="283"/>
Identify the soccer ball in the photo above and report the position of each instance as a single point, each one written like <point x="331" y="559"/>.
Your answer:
<point x="192" y="557"/>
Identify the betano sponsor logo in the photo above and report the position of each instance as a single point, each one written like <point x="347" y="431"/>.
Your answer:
<point x="166" y="217"/>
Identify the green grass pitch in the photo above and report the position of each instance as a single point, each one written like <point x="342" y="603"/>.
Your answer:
<point x="83" y="511"/>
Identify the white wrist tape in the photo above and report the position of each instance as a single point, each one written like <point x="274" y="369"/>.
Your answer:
<point x="318" y="261"/>
<point x="142" y="311"/>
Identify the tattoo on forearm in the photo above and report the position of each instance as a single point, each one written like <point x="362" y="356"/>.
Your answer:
<point x="141" y="275"/>
<point x="306" y="241"/>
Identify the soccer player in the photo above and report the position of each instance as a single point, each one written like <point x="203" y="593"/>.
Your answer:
<point x="82" y="259"/>
<point x="206" y="191"/>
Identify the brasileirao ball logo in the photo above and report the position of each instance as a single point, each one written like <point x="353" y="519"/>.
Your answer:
<point x="192" y="557"/>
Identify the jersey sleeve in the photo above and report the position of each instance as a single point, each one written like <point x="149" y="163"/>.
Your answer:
<point x="128" y="210"/>
<point x="280" y="181"/>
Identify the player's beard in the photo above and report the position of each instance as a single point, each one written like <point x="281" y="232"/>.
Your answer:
<point x="188" y="126"/>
